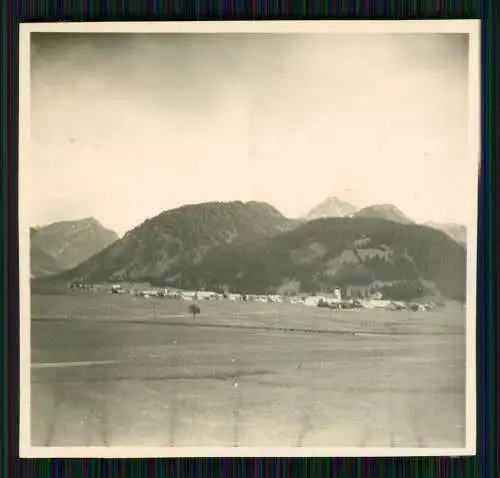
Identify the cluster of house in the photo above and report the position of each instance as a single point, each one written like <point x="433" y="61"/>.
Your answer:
<point x="187" y="295"/>
<point x="332" y="300"/>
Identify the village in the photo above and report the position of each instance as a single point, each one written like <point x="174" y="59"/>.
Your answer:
<point x="333" y="300"/>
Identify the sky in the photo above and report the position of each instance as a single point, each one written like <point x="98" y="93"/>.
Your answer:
<point x="125" y="126"/>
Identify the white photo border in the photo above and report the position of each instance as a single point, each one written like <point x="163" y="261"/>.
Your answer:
<point x="470" y="27"/>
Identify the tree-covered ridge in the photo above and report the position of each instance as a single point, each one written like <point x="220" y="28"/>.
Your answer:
<point x="392" y="256"/>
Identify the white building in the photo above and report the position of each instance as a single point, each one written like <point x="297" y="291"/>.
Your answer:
<point x="188" y="295"/>
<point x="333" y="298"/>
<point x="313" y="300"/>
<point x="206" y="295"/>
<point x="375" y="304"/>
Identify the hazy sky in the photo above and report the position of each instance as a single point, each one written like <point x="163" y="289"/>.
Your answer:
<point x="126" y="126"/>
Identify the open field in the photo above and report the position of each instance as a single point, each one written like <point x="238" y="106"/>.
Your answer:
<point x="123" y="371"/>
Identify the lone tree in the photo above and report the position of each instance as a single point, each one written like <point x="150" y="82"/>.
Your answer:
<point x="194" y="309"/>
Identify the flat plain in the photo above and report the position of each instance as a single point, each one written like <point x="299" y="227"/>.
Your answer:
<point x="119" y="370"/>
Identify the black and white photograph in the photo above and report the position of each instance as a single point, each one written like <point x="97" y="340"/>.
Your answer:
<point x="248" y="239"/>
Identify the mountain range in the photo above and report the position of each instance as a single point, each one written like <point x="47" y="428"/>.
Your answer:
<point x="252" y="248"/>
<point x="63" y="245"/>
<point x="334" y="207"/>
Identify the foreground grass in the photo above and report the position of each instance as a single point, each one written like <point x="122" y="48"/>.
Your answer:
<point x="244" y="375"/>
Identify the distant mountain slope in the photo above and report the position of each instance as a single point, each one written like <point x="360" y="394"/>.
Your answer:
<point x="331" y="207"/>
<point x="384" y="211"/>
<point x="42" y="264"/>
<point x="63" y="245"/>
<point x="358" y="254"/>
<point x="161" y="247"/>
<point x="455" y="231"/>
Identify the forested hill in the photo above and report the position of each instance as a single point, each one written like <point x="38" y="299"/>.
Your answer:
<point x="402" y="260"/>
<point x="161" y="247"/>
